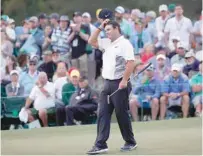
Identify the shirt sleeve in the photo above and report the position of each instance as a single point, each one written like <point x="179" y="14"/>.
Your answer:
<point x="157" y="91"/>
<point x="33" y="93"/>
<point x="167" y="26"/>
<point x="165" y="85"/>
<point x="186" y="86"/>
<point x="190" y="28"/>
<point x="128" y="51"/>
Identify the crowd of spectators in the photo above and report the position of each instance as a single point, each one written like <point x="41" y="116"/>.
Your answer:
<point x="48" y="60"/>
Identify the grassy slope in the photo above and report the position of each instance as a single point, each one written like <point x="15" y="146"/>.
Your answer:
<point x="182" y="136"/>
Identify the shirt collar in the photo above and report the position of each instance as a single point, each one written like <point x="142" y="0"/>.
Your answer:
<point x="118" y="39"/>
<point x="35" y="74"/>
<point x="17" y="86"/>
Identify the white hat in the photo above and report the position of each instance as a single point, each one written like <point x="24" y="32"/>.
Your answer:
<point x="10" y="21"/>
<point x="189" y="54"/>
<point x="10" y="33"/>
<point x="151" y="14"/>
<point x="176" y="67"/>
<point x="161" y="56"/>
<point x="14" y="72"/>
<point x="163" y="7"/>
<point x="33" y="19"/>
<point x="86" y="14"/>
<point x="181" y="45"/>
<point x="120" y="9"/>
<point x="136" y="12"/>
<point x="175" y="38"/>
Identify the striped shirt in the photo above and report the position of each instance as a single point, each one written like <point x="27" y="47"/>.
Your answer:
<point x="59" y="40"/>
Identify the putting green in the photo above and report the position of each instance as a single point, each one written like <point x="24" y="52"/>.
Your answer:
<point x="172" y="137"/>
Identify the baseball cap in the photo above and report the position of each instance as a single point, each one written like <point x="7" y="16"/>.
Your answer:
<point x="180" y="45"/>
<point x="136" y="12"/>
<point x="175" y="38"/>
<point x="64" y="18"/>
<point x="150" y="68"/>
<point x="83" y="78"/>
<point x="106" y="14"/>
<point x="120" y="9"/>
<point x="139" y="22"/>
<point x="189" y="54"/>
<point x="86" y="14"/>
<point x="33" y="19"/>
<point x="163" y="7"/>
<point x="14" y="72"/>
<point x="10" y="21"/>
<point x="176" y="67"/>
<point x="151" y="14"/>
<point x="42" y="16"/>
<point x="47" y="52"/>
<point x="77" y="13"/>
<point x="4" y="17"/>
<point x="54" y="16"/>
<point x="161" y="56"/>
<point x="74" y="73"/>
<point x="171" y="7"/>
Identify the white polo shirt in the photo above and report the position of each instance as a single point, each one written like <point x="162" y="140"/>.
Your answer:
<point x="181" y="28"/>
<point x="58" y="85"/>
<point x="115" y="56"/>
<point x="40" y="100"/>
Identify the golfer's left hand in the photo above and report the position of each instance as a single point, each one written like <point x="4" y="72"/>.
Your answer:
<point x="123" y="84"/>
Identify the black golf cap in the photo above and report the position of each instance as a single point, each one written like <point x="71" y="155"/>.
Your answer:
<point x="106" y="14"/>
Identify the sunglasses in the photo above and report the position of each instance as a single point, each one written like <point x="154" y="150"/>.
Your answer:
<point x="32" y="64"/>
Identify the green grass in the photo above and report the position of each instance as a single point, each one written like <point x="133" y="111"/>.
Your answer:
<point x="172" y="137"/>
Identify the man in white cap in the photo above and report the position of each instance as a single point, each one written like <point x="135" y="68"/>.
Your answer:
<point x="179" y="26"/>
<point x="172" y="45"/>
<point x="175" y="91"/>
<point x="124" y="24"/>
<point x="161" y="22"/>
<point x="14" y="88"/>
<point x="192" y="66"/>
<point x="161" y="69"/>
<point x="179" y="57"/>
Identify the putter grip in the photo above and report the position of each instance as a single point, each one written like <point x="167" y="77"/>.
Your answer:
<point x="144" y="68"/>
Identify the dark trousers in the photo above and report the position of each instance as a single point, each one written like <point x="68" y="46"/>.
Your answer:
<point x="119" y="101"/>
<point x="69" y="113"/>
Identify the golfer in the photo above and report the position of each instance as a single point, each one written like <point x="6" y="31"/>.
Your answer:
<point x="118" y="62"/>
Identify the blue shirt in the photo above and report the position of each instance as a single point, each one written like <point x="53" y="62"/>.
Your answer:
<point x="181" y="84"/>
<point x="145" y="38"/>
<point x="28" y="82"/>
<point x="150" y="88"/>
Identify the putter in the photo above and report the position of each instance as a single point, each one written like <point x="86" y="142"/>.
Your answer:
<point x="109" y="96"/>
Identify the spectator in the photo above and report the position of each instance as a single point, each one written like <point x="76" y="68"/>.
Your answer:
<point x="150" y="25"/>
<point x="11" y="64"/>
<point x="67" y="91"/>
<point x="14" y="88"/>
<point x="79" y="43"/>
<point x="61" y="70"/>
<point x="6" y="48"/>
<point x="147" y="91"/>
<point x="55" y="56"/>
<point x="171" y="9"/>
<point x="127" y="15"/>
<point x="175" y="91"/>
<point x="160" y="24"/>
<point x="198" y="55"/>
<point x="197" y="32"/>
<point x="179" y="26"/>
<point x="22" y="62"/>
<point x="34" y="41"/>
<point x="196" y="83"/>
<point x="47" y="41"/>
<point x="61" y="80"/>
<point x="43" y="96"/>
<point x="43" y="21"/>
<point x="29" y="78"/>
<point x="98" y="22"/>
<point x="173" y="46"/>
<point x="124" y="24"/>
<point x="61" y="38"/>
<point x="147" y="53"/>
<point x="179" y="57"/>
<point x="135" y="13"/>
<point x="161" y="69"/>
<point x="54" y="20"/>
<point x="48" y="66"/>
<point x="192" y="66"/>
<point x="140" y="37"/>
<point x="10" y="30"/>
<point x="82" y="103"/>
